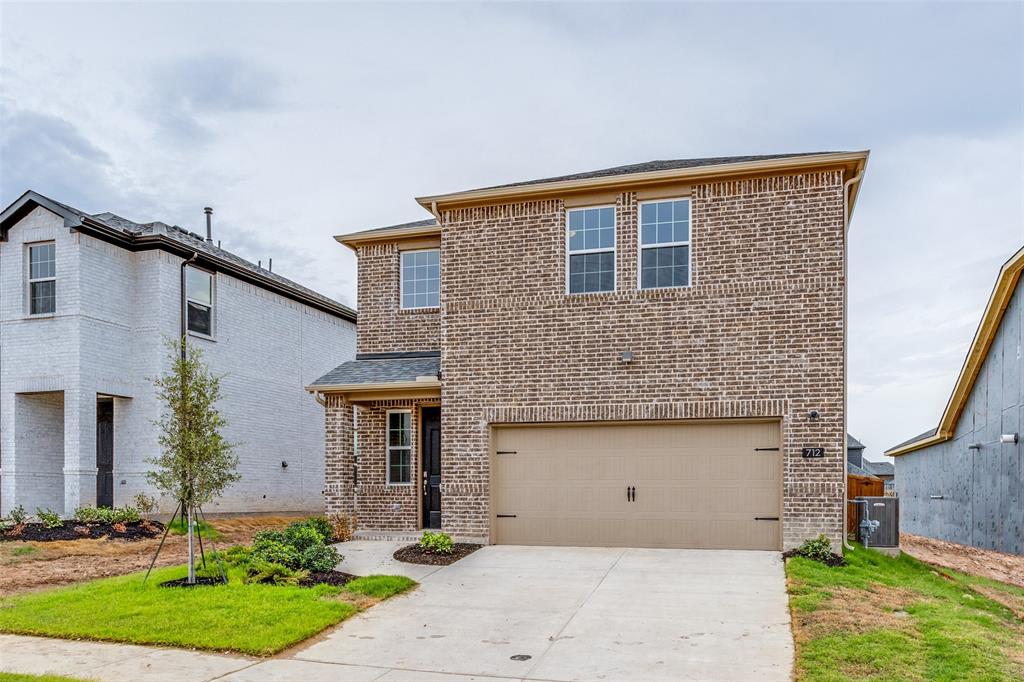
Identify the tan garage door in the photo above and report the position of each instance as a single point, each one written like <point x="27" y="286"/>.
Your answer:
<point x="695" y="485"/>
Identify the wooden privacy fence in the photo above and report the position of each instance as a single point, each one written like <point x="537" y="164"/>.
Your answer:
<point x="860" y="486"/>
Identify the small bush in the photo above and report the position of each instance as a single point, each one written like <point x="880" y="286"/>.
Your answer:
<point x="107" y="515"/>
<point x="146" y="504"/>
<point x="319" y="558"/>
<point x="239" y="555"/>
<point x="274" y="573"/>
<point x="437" y="543"/>
<point x="343" y="526"/>
<point x="18" y="515"/>
<point x="301" y="537"/>
<point x="49" y="518"/>
<point x="275" y="552"/>
<point x="321" y="525"/>
<point x="818" y="549"/>
<point x="87" y="515"/>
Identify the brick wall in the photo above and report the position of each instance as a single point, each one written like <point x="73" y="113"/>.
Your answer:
<point x="383" y="325"/>
<point x="759" y="334"/>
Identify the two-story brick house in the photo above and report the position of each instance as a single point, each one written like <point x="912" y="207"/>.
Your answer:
<point x="87" y="305"/>
<point x="649" y="355"/>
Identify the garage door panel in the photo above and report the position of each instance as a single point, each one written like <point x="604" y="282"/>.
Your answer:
<point x="697" y="485"/>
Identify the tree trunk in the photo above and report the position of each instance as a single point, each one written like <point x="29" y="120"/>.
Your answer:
<point x="191" y="548"/>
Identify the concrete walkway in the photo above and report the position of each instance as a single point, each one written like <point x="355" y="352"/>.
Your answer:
<point x="520" y="613"/>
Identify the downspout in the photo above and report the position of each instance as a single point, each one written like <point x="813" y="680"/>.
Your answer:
<point x="846" y="342"/>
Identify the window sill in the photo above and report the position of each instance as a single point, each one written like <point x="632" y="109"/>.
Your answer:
<point x="398" y="485"/>
<point x="204" y="337"/>
<point x="415" y="311"/>
<point x="40" y="316"/>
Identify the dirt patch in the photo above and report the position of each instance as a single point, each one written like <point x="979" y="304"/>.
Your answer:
<point x="72" y="530"/>
<point x="336" y="578"/>
<point x="61" y="562"/>
<point x="1006" y="568"/>
<point x="413" y="554"/>
<point x="851" y="611"/>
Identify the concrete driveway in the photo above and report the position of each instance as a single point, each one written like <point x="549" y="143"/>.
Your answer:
<point x="554" y="613"/>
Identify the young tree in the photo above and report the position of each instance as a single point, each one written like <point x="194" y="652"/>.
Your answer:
<point x="196" y="463"/>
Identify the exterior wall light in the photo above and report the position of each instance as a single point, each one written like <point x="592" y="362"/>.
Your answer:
<point x="1010" y="438"/>
<point x="284" y="465"/>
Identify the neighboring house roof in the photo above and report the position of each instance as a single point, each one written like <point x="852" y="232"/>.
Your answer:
<point x="880" y="468"/>
<point x="649" y="173"/>
<point x="141" y="236"/>
<point x="1002" y="292"/>
<point x="376" y="370"/>
<point x="857" y="471"/>
<point x="853" y="444"/>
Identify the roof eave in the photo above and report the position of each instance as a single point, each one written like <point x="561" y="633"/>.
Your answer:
<point x="856" y="161"/>
<point x="918" y="445"/>
<point x="25" y="204"/>
<point x="356" y="239"/>
<point x="422" y="384"/>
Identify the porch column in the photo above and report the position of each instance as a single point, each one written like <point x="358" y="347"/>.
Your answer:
<point x="79" y="450"/>
<point x="339" y="456"/>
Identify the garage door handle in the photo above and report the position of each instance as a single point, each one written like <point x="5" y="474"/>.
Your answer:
<point x="766" y="518"/>
<point x="506" y="516"/>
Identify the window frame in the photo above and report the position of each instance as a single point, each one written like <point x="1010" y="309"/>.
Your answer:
<point x="614" y="250"/>
<point x="29" y="280"/>
<point x="640" y="244"/>
<point x="212" y="306"/>
<point x="401" y="279"/>
<point x="388" y="447"/>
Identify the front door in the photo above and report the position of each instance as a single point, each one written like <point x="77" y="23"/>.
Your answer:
<point x="431" y="439"/>
<point x="104" y="452"/>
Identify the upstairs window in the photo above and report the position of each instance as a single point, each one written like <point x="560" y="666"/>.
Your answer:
<point x="42" y="278"/>
<point x="665" y="244"/>
<point x="421" y="279"/>
<point x="199" y="301"/>
<point x="591" y="239"/>
<point x="399" y="446"/>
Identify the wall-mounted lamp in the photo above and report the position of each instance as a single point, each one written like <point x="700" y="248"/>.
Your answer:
<point x="1009" y="438"/>
<point x="284" y="465"/>
<point x="626" y="356"/>
<point x="813" y="415"/>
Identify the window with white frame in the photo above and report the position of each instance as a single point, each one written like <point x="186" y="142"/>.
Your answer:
<point x="42" y="278"/>
<point x="421" y="279"/>
<point x="591" y="247"/>
<point x="665" y="244"/>
<point x="399" y="447"/>
<point x="199" y="301"/>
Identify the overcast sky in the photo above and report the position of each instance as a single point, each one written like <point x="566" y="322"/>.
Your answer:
<point x="298" y="122"/>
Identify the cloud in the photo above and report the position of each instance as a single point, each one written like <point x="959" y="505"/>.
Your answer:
<point x="189" y="95"/>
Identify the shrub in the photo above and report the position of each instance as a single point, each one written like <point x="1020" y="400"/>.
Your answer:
<point x="18" y="515"/>
<point x="87" y="515"/>
<point x="274" y="573"/>
<point x="107" y="515"/>
<point x="817" y="549"/>
<point x="302" y="537"/>
<point x="319" y="558"/>
<point x="146" y="504"/>
<point x="239" y="555"/>
<point x="49" y="518"/>
<point x="343" y="526"/>
<point x="273" y="551"/>
<point x="437" y="543"/>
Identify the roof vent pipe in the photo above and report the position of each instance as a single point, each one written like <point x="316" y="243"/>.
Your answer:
<point x="209" y="225"/>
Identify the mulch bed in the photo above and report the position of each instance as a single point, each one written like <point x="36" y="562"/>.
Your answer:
<point x="183" y="582"/>
<point x="72" y="530"/>
<point x="336" y="578"/>
<point x="832" y="560"/>
<point x="413" y="554"/>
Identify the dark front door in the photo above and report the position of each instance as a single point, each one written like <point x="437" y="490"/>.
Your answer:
<point x="431" y="435"/>
<point x="104" y="452"/>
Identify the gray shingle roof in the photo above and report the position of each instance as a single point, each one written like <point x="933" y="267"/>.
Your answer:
<point x="658" y="165"/>
<point x="856" y="470"/>
<point x="853" y="444"/>
<point x="927" y="434"/>
<point x="430" y="222"/>
<point x="133" y="232"/>
<point x="381" y="370"/>
<point x="880" y="468"/>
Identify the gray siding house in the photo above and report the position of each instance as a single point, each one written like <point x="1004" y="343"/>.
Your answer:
<point x="87" y="305"/>
<point x="963" y="481"/>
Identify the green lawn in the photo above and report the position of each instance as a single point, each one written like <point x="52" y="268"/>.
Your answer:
<point x="207" y="532"/>
<point x="880" y="618"/>
<point x="19" y="677"/>
<point x="252" y="619"/>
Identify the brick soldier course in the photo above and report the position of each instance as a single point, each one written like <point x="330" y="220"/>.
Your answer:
<point x="758" y="334"/>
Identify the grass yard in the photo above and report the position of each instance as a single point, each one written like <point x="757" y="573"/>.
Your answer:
<point x="19" y="677"/>
<point x="251" y="619"/>
<point x="880" y="618"/>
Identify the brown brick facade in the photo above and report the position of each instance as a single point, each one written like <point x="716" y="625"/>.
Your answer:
<point x="383" y="326"/>
<point x="758" y="334"/>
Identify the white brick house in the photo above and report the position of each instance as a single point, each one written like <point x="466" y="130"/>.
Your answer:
<point x="87" y="304"/>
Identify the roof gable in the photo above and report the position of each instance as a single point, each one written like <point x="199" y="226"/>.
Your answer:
<point x="1005" y="286"/>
